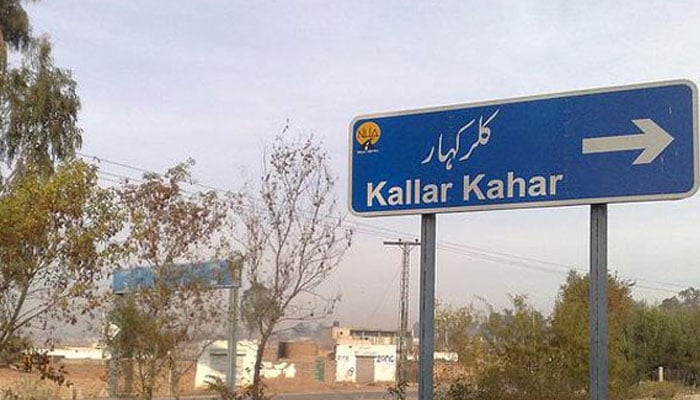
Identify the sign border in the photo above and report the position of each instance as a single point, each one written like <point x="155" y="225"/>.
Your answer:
<point x="537" y="204"/>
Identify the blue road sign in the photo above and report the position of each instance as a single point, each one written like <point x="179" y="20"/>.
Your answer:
<point x="622" y="144"/>
<point x="210" y="274"/>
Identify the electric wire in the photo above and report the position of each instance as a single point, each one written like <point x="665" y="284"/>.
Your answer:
<point x="387" y="289"/>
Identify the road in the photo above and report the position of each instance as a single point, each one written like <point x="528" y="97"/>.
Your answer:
<point x="372" y="395"/>
<point x="412" y="394"/>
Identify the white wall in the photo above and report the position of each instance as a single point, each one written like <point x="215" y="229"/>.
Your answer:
<point x="345" y="367"/>
<point x="281" y="370"/>
<point x="213" y="362"/>
<point x="79" y="353"/>
<point x="446" y="356"/>
<point x="384" y="361"/>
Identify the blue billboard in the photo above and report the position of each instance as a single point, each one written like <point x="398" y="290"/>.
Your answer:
<point x="211" y="274"/>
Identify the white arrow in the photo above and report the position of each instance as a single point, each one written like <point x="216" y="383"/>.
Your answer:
<point x="653" y="140"/>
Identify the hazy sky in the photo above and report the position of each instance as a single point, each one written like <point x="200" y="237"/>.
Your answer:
<point x="162" y="81"/>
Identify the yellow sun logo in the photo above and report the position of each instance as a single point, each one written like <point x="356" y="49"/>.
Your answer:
<point x="367" y="135"/>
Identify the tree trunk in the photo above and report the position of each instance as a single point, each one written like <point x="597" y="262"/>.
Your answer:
<point x="258" y="393"/>
<point x="3" y="53"/>
<point x="174" y="381"/>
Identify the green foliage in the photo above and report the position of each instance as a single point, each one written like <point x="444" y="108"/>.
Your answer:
<point x="528" y="356"/>
<point x="654" y="339"/>
<point x="141" y="334"/>
<point x="38" y="118"/>
<point x="523" y="363"/>
<point x="11" y="351"/>
<point x="54" y="229"/>
<point x="570" y="327"/>
<point x="38" y="101"/>
<point x="55" y="240"/>
<point x="14" y="25"/>
<point x="666" y="336"/>
<point x="259" y="307"/>
<point x="686" y="299"/>
<point x="689" y="321"/>
<point x="455" y="329"/>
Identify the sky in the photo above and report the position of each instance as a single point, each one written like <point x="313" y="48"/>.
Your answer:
<point x="216" y="80"/>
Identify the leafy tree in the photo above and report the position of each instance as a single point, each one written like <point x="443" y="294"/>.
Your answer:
<point x="14" y="27"/>
<point x="654" y="338"/>
<point x="666" y="335"/>
<point x="38" y="113"/>
<point x="688" y="298"/>
<point x="38" y="101"/>
<point x="55" y="238"/>
<point x="457" y="329"/>
<point x="570" y="327"/>
<point x="293" y="238"/>
<point x="527" y="355"/>
<point x="523" y="364"/>
<point x="689" y="321"/>
<point x="162" y="326"/>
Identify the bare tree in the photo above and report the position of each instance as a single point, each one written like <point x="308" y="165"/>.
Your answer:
<point x="293" y="238"/>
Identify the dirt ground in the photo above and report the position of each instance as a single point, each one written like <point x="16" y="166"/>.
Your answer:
<point x="89" y="381"/>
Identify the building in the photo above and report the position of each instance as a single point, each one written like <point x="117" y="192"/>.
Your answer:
<point x="213" y="362"/>
<point x="364" y="355"/>
<point x="370" y="336"/>
<point x="365" y="363"/>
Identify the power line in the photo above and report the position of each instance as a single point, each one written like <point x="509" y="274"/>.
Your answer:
<point x="113" y="175"/>
<point x="386" y="292"/>
<point x="139" y="169"/>
<point x="125" y="178"/>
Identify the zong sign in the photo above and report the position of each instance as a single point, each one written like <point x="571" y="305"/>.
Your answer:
<point x="630" y="143"/>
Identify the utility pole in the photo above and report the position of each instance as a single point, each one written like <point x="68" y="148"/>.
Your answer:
<point x="406" y="247"/>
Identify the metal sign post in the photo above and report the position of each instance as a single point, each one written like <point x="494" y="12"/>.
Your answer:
<point x="232" y="348"/>
<point x="598" y="302"/>
<point x="427" y="306"/>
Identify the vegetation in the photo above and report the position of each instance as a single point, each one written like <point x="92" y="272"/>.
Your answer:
<point x="38" y="101"/>
<point x="59" y="232"/>
<point x="55" y="239"/>
<point x="55" y="222"/>
<point x="451" y="324"/>
<point x="666" y="336"/>
<point x="164" y="328"/>
<point x="523" y="354"/>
